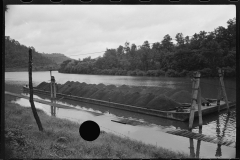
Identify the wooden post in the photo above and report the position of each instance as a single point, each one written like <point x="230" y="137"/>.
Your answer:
<point x="196" y="81"/>
<point x="223" y="87"/>
<point x="219" y="96"/>
<point x="53" y="95"/>
<point x="198" y="145"/>
<point x="198" y="148"/>
<point x="200" y="108"/>
<point x="218" y="151"/>
<point x="31" y="92"/>
<point x="53" y="88"/>
<point x="192" y="153"/>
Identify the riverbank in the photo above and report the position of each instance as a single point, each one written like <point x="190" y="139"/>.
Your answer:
<point x="206" y="72"/>
<point x="23" y="140"/>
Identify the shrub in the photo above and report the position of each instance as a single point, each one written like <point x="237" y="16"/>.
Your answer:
<point x="206" y="72"/>
<point x="184" y="73"/>
<point x="141" y="73"/>
<point x="172" y="73"/>
<point x="160" y="73"/>
<point x="229" y="72"/>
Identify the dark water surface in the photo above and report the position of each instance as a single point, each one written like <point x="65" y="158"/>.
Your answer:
<point x="220" y="124"/>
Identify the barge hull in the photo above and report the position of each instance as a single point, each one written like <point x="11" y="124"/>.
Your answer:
<point x="180" y="116"/>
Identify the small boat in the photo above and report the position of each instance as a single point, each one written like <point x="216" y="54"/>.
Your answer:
<point x="180" y="113"/>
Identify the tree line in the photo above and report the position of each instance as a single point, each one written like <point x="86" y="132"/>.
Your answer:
<point x="204" y="52"/>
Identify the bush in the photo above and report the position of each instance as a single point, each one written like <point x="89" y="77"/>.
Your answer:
<point x="161" y="73"/>
<point x="152" y="72"/>
<point x="121" y="72"/>
<point x="141" y="73"/>
<point x="206" y="72"/>
<point x="172" y="73"/>
<point x="184" y="73"/>
<point x="229" y="72"/>
<point x="132" y="73"/>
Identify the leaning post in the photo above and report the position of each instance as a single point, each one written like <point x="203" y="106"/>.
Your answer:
<point x="200" y="108"/>
<point x="219" y="96"/>
<point x="220" y="72"/>
<point x="196" y="82"/>
<point x="31" y="92"/>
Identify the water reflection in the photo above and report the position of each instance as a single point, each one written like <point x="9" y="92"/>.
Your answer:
<point x="192" y="152"/>
<point x="218" y="131"/>
<point x="53" y="108"/>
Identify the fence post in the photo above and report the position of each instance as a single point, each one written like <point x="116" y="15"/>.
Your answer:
<point x="223" y="87"/>
<point x="196" y="81"/>
<point x="31" y="92"/>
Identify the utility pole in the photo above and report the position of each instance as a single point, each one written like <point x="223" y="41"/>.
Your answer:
<point x="31" y="92"/>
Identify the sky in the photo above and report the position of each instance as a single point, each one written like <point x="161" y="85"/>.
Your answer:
<point x="77" y="30"/>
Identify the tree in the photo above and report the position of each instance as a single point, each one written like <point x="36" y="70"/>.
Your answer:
<point x="166" y="43"/>
<point x="126" y="47"/>
<point x="231" y="33"/>
<point x="180" y="39"/>
<point x="120" y="51"/>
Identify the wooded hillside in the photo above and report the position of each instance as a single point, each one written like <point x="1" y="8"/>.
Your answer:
<point x="204" y="51"/>
<point x="56" y="57"/>
<point x="16" y="56"/>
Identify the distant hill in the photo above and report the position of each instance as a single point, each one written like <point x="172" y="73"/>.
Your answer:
<point x="56" y="57"/>
<point x="16" y="56"/>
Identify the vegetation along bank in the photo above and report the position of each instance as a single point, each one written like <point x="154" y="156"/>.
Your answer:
<point x="203" y="51"/>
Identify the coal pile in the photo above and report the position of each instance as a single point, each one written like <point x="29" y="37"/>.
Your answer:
<point x="147" y="97"/>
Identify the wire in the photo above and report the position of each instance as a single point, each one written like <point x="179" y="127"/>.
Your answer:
<point x="87" y="53"/>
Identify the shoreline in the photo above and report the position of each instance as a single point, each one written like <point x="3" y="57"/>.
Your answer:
<point x="25" y="70"/>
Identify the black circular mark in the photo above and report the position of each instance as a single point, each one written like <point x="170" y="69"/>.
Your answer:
<point x="89" y="130"/>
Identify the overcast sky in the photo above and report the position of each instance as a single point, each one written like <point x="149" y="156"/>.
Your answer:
<point x="82" y="29"/>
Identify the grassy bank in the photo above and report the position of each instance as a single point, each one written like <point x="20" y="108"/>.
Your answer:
<point x="23" y="140"/>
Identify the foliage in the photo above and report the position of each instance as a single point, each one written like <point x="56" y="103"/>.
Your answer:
<point x="16" y="56"/>
<point x="58" y="58"/>
<point x="202" y="52"/>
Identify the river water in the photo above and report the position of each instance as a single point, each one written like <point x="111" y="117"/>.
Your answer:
<point x="221" y="124"/>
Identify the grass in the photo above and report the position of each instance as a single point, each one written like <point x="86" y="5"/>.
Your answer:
<point x="24" y="140"/>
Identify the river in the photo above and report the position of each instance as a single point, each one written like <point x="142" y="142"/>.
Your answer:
<point x="221" y="124"/>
